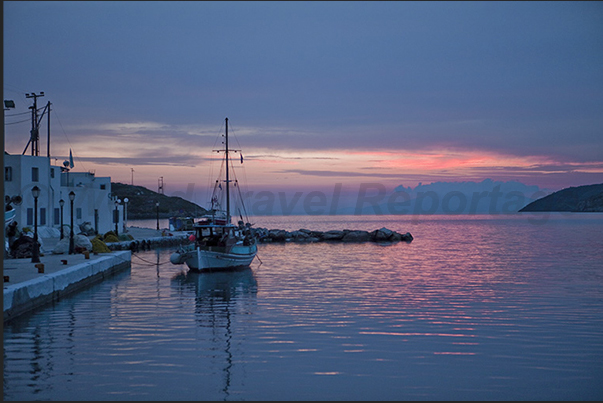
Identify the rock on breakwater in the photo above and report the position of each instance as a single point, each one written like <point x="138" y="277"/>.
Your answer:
<point x="346" y="235"/>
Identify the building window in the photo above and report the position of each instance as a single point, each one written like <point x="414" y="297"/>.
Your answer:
<point x="78" y="213"/>
<point x="35" y="174"/>
<point x="29" y="216"/>
<point x="52" y="172"/>
<point x="42" y="216"/>
<point x="57" y="216"/>
<point x="8" y="174"/>
<point x="103" y="186"/>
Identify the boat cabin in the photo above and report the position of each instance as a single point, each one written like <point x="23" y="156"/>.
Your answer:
<point x="215" y="232"/>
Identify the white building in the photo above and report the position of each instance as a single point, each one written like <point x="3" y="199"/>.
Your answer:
<point x="93" y="200"/>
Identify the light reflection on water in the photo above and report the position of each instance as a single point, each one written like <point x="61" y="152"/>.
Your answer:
<point x="475" y="308"/>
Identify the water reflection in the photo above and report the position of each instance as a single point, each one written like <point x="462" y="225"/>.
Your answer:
<point x="472" y="309"/>
<point x="219" y="297"/>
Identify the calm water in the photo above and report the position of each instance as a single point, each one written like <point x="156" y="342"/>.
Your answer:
<point x="476" y="307"/>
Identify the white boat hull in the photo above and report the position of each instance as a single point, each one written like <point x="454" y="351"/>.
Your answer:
<point x="210" y="259"/>
<point x="9" y="217"/>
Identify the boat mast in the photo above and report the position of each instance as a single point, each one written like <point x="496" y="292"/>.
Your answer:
<point x="227" y="179"/>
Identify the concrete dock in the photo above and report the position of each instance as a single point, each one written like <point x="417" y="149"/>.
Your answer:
<point x="28" y="285"/>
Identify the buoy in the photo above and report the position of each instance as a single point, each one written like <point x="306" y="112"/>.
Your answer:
<point x="177" y="258"/>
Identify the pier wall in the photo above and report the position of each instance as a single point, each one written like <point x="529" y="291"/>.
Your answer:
<point x="28" y="295"/>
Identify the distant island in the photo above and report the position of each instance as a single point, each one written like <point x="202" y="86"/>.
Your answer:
<point x="141" y="203"/>
<point x="588" y="198"/>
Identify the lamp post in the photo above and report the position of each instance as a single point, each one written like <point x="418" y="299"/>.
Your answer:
<point x="71" y="243"/>
<point x="35" y="256"/>
<point x="157" y="206"/>
<point x="8" y="104"/>
<point x="126" y="214"/>
<point x="116" y="215"/>
<point x="62" y="203"/>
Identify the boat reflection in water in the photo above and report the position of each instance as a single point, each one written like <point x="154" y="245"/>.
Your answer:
<point x="220" y="298"/>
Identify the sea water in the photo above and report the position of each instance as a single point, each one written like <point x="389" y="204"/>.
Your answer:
<point x="478" y="307"/>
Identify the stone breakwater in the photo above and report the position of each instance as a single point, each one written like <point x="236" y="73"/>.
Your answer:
<point x="149" y="243"/>
<point x="264" y="235"/>
<point x="346" y="235"/>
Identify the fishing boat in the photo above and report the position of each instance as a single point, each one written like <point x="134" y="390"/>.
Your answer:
<point x="218" y="244"/>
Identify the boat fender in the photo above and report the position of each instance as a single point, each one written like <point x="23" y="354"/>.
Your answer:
<point x="177" y="258"/>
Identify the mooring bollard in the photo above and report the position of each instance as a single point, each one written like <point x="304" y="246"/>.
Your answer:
<point x="86" y="254"/>
<point x="40" y="267"/>
<point x="64" y="261"/>
<point x="6" y="278"/>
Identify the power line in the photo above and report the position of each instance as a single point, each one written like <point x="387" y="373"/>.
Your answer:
<point x="67" y="138"/>
<point x="23" y="113"/>
<point x="14" y="123"/>
<point x="13" y="89"/>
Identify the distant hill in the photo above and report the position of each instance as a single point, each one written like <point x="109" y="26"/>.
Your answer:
<point x="141" y="203"/>
<point x="587" y="198"/>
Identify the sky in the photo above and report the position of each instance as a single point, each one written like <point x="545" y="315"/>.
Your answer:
<point x="316" y="93"/>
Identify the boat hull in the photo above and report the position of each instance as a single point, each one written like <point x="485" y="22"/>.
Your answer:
<point x="216" y="258"/>
<point x="9" y="217"/>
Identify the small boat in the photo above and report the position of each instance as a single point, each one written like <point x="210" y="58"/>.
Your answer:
<point x="219" y="244"/>
<point x="9" y="216"/>
<point x="181" y="223"/>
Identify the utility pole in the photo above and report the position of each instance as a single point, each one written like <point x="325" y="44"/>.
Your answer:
<point x="160" y="185"/>
<point x="132" y="169"/>
<point x="35" y="133"/>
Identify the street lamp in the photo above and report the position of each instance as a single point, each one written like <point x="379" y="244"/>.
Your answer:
<point x="35" y="256"/>
<point x="62" y="203"/>
<point x="126" y="214"/>
<point x="116" y="215"/>
<point x="71" y="243"/>
<point x="157" y="205"/>
<point x="8" y="104"/>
